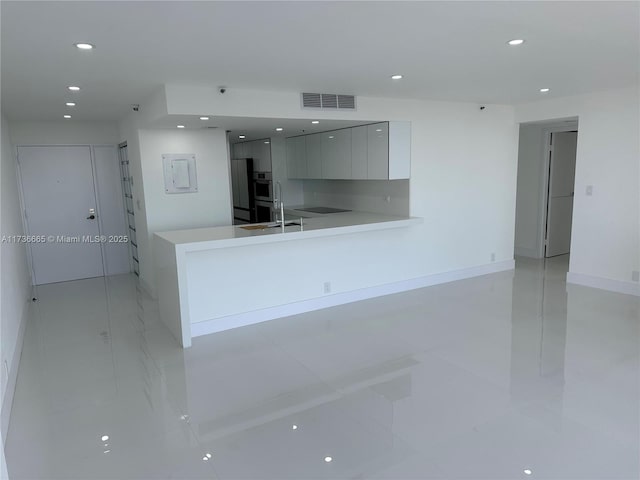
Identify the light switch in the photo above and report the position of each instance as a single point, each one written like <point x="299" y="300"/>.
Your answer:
<point x="589" y="190"/>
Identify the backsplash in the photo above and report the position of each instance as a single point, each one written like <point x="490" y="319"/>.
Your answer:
<point x="362" y="195"/>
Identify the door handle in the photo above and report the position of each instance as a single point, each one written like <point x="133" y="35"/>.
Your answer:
<point x="91" y="217"/>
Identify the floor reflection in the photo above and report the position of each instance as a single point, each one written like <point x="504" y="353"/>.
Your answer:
<point x="539" y="328"/>
<point x="482" y="378"/>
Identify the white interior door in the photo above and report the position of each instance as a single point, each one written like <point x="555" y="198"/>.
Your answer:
<point x="59" y="194"/>
<point x="562" y="171"/>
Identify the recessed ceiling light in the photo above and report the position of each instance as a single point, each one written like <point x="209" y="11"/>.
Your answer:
<point x="315" y="122"/>
<point x="527" y="471"/>
<point x="204" y="118"/>
<point x="205" y="458"/>
<point x="242" y="136"/>
<point x="516" y="41"/>
<point x="294" y="427"/>
<point x="378" y="129"/>
<point x="67" y="116"/>
<point x="70" y="104"/>
<point x="544" y="90"/>
<point x="208" y="455"/>
<point x="279" y="129"/>
<point x="328" y="459"/>
<point x="180" y="126"/>
<point x="105" y="438"/>
<point x="330" y="136"/>
<point x="266" y="142"/>
<point x="84" y="46"/>
<point x="73" y="88"/>
<point x="396" y="77"/>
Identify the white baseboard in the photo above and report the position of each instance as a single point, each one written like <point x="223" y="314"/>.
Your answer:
<point x="7" y="401"/>
<point x="527" y="252"/>
<point x="619" y="286"/>
<point x="249" y="318"/>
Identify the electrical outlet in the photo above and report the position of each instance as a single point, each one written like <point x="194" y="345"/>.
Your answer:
<point x="493" y="257"/>
<point x="589" y="190"/>
<point x="635" y="276"/>
<point x="327" y="287"/>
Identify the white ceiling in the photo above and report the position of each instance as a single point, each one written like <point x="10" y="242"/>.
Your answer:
<point x="446" y="50"/>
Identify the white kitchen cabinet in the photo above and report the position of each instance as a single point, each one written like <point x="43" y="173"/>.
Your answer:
<point x="258" y="150"/>
<point x="250" y="152"/>
<point x="336" y="154"/>
<point x="378" y="151"/>
<point x="261" y="154"/>
<point x="241" y="150"/>
<point x="399" y="150"/>
<point x="296" y="157"/>
<point x="359" y="149"/>
<point x="313" y="145"/>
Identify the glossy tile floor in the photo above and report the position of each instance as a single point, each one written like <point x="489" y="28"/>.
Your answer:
<point x="505" y="376"/>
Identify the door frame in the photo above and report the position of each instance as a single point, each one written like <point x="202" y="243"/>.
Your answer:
<point x="23" y="212"/>
<point x="543" y="196"/>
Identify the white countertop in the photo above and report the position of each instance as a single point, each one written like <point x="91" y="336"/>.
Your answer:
<point x="320" y="225"/>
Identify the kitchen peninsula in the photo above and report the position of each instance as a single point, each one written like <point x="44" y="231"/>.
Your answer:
<point x="215" y="279"/>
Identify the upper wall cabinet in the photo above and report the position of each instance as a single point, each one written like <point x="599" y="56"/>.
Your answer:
<point x="258" y="150"/>
<point x="261" y="154"/>
<point x="296" y="157"/>
<point x="359" y="153"/>
<point x="336" y="154"/>
<point x="313" y="144"/>
<point x="380" y="151"/>
<point x="241" y="150"/>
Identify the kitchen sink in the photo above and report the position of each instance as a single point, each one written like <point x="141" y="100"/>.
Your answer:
<point x="287" y="223"/>
<point x="264" y="226"/>
<point x="323" y="210"/>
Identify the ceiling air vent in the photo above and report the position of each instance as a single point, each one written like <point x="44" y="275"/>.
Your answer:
<point x="328" y="101"/>
<point x="347" y="101"/>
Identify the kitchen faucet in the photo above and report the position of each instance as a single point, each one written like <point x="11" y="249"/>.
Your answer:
<point x="278" y="207"/>
<point x="278" y="204"/>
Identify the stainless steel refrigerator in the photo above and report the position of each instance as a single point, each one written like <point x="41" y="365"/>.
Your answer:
<point x="242" y="188"/>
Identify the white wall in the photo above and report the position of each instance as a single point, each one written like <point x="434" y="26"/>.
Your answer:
<point x="530" y="180"/>
<point x="362" y="195"/>
<point x="15" y="283"/>
<point x="208" y="207"/>
<point x="63" y="132"/>
<point x="605" y="242"/>
<point x="463" y="173"/>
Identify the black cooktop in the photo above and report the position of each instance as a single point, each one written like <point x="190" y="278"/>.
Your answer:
<point x="323" y="210"/>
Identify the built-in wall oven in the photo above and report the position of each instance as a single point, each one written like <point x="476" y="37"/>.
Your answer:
<point x="262" y="186"/>
<point x="263" y="211"/>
